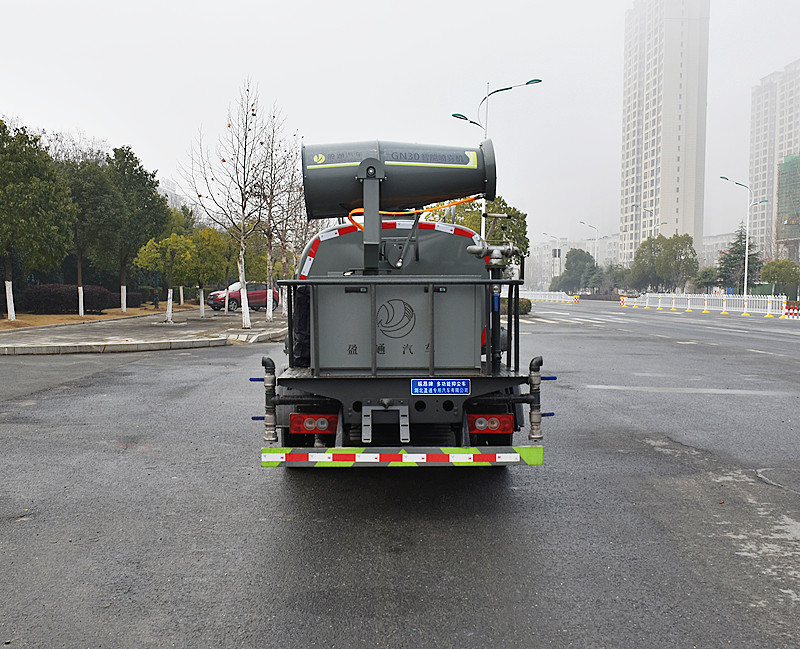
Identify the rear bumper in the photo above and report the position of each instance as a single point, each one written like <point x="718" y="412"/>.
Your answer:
<point x="402" y="456"/>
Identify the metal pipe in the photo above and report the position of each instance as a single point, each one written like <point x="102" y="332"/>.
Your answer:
<point x="431" y="366"/>
<point x="270" y="422"/>
<point x="535" y="382"/>
<point x="373" y="334"/>
<point x="413" y="231"/>
<point x="393" y="280"/>
<point x="290" y="315"/>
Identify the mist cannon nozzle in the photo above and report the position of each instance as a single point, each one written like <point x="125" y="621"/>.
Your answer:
<point x="416" y="175"/>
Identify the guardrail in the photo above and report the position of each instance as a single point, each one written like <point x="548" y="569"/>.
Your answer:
<point x="550" y="296"/>
<point x="768" y="305"/>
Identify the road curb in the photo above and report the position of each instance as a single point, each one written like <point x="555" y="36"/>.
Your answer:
<point x="261" y="337"/>
<point x="106" y="348"/>
<point x="94" y="322"/>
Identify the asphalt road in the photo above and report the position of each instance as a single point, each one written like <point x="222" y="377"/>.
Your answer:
<point x="134" y="512"/>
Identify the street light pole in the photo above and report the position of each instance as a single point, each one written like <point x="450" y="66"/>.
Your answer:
<point x="652" y="216"/>
<point x="589" y="225"/>
<point x="750" y="205"/>
<point x="485" y="126"/>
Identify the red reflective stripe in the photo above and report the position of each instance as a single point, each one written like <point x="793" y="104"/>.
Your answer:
<point x="297" y="457"/>
<point x="435" y="457"/>
<point x="425" y="225"/>
<point x="347" y="230"/>
<point x="389" y="225"/>
<point x="314" y="246"/>
<point x="391" y="457"/>
<point x="487" y="457"/>
<point x="463" y="232"/>
<point x="343" y="457"/>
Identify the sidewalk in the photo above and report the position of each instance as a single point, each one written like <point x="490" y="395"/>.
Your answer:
<point x="144" y="333"/>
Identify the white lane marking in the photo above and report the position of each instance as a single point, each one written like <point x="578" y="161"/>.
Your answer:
<point x="676" y="390"/>
<point x="758" y="351"/>
<point x="538" y="319"/>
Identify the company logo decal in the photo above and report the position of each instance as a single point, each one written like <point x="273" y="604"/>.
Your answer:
<point x="396" y="318"/>
<point x="319" y="158"/>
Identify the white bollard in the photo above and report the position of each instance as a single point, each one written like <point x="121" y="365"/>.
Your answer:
<point x="10" y="302"/>
<point x="169" y="307"/>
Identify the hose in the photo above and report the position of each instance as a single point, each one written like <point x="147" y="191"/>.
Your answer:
<point x="360" y="210"/>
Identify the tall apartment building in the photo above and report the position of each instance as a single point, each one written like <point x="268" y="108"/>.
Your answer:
<point x="774" y="135"/>
<point x="788" y="206"/>
<point x="663" y="122"/>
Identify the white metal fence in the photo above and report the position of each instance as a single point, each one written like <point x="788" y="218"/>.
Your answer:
<point x="767" y="305"/>
<point x="548" y="296"/>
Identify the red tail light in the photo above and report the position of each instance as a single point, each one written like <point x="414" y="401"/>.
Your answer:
<point x="313" y="423"/>
<point x="491" y="423"/>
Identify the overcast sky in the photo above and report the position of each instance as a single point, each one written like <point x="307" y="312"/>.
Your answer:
<point x="152" y="74"/>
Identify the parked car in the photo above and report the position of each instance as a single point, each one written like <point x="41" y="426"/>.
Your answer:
<point x="256" y="297"/>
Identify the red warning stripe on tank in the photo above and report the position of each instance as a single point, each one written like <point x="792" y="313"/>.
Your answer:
<point x="386" y="225"/>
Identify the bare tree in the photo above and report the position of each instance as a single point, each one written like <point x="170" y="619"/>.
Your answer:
<point x="293" y="229"/>
<point x="76" y="147"/>
<point x="276" y="185"/>
<point x="234" y="184"/>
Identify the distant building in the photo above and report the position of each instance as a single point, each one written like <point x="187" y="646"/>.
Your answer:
<point x="168" y="188"/>
<point x="713" y="245"/>
<point x="663" y="122"/>
<point x="546" y="260"/>
<point x="774" y="135"/>
<point x="788" y="207"/>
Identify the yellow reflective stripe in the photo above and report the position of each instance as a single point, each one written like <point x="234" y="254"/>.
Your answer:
<point x="472" y="163"/>
<point x="335" y="164"/>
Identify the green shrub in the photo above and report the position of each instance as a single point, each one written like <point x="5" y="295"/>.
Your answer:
<point x="147" y="293"/>
<point x="133" y="299"/>
<point x="189" y="293"/>
<point x="63" y="298"/>
<point x="524" y="306"/>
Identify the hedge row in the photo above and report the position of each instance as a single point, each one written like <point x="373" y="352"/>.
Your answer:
<point x="189" y="293"/>
<point x="63" y="298"/>
<point x="524" y="305"/>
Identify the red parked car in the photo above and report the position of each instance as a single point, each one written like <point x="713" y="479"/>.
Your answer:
<point x="256" y="297"/>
